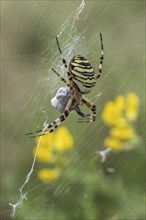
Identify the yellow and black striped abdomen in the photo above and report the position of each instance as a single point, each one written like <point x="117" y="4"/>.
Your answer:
<point x="82" y="73"/>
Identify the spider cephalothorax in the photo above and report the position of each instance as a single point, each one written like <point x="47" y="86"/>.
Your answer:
<point x="82" y="78"/>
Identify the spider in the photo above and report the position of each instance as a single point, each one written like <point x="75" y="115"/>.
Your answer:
<point x="82" y="78"/>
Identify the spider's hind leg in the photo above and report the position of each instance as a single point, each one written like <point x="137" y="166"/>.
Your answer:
<point x="92" y="107"/>
<point x="79" y="112"/>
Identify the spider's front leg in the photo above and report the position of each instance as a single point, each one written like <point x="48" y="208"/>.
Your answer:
<point x="51" y="127"/>
<point x="92" y="107"/>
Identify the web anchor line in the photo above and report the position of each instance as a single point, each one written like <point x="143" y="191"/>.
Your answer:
<point x="23" y="196"/>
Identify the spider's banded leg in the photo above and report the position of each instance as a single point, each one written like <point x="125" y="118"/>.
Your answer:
<point x="89" y="104"/>
<point x="65" y="64"/>
<point x="60" y="119"/>
<point x="61" y="77"/>
<point x="36" y="133"/>
<point x="56" y="123"/>
<point x="63" y="60"/>
<point x="79" y="112"/>
<point x="101" y="59"/>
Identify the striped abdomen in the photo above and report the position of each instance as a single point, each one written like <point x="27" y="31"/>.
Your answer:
<point x="82" y="73"/>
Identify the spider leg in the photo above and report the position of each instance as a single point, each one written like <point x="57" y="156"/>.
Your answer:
<point x="65" y="65"/>
<point x="79" y="112"/>
<point x="61" y="77"/>
<point x="51" y="127"/>
<point x="89" y="117"/>
<point x="101" y="59"/>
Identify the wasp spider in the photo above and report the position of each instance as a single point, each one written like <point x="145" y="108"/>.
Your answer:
<point x="82" y="78"/>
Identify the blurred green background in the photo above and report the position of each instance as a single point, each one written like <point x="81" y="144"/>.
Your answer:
<point x="86" y="190"/>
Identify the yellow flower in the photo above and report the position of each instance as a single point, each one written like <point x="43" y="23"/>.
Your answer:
<point x="45" y="150"/>
<point x="132" y="104"/>
<point x="48" y="175"/>
<point x="119" y="115"/>
<point x="108" y="113"/>
<point x="44" y="154"/>
<point x="113" y="143"/>
<point x="120" y="103"/>
<point x="124" y="132"/>
<point x="50" y="150"/>
<point x="46" y="140"/>
<point x="63" y="140"/>
<point x="113" y="112"/>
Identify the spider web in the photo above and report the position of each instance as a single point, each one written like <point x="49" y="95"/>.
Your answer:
<point x="28" y="85"/>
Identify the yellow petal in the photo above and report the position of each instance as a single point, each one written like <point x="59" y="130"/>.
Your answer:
<point x="120" y="103"/>
<point x="44" y="155"/>
<point x="113" y="143"/>
<point x="124" y="132"/>
<point x="63" y="139"/>
<point x="132" y="101"/>
<point x="46" y="140"/>
<point x="113" y="112"/>
<point x="48" y="175"/>
<point x="107" y="114"/>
